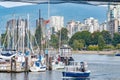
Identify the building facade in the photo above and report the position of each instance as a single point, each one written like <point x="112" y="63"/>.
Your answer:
<point x="92" y="23"/>
<point x="75" y="26"/>
<point x="56" y="23"/>
<point x="113" y="19"/>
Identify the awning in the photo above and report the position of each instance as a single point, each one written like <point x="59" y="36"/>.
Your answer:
<point x="29" y="2"/>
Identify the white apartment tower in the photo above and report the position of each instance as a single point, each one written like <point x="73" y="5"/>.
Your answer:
<point x="113" y="18"/>
<point x="56" y="22"/>
<point x="75" y="26"/>
<point x="103" y="26"/>
<point x="92" y="23"/>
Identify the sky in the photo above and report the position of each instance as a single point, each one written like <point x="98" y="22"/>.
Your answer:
<point x="70" y="11"/>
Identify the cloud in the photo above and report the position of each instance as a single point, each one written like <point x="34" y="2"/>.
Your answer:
<point x="8" y="4"/>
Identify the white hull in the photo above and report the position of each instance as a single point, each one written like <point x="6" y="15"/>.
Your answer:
<point x="60" y="65"/>
<point x="37" y="69"/>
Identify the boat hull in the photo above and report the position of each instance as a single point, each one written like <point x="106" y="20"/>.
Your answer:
<point x="38" y="69"/>
<point x="117" y="54"/>
<point x="76" y="74"/>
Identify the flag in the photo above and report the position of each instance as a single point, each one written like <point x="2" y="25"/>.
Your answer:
<point x="46" y="21"/>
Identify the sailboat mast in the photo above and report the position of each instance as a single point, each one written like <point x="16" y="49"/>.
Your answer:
<point x="40" y="30"/>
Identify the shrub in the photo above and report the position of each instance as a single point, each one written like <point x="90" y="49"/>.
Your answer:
<point x="109" y="47"/>
<point x="93" y="47"/>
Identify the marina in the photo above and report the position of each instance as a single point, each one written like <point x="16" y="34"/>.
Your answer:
<point x="59" y="40"/>
<point x="103" y="67"/>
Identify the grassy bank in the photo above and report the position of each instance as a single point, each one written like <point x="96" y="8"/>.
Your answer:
<point x="95" y="52"/>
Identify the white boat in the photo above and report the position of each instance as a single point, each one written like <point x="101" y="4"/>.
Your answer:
<point x="37" y="67"/>
<point x="57" y="65"/>
<point x="76" y="70"/>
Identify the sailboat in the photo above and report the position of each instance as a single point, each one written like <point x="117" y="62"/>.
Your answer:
<point x="37" y="65"/>
<point x="38" y="62"/>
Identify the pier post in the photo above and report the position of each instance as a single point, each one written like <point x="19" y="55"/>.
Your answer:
<point x="50" y="63"/>
<point x="26" y="64"/>
<point x="13" y="64"/>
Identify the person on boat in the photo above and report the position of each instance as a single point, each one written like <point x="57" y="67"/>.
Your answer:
<point x="82" y="66"/>
<point x="59" y="58"/>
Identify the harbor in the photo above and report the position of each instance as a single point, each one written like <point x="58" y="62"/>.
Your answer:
<point x="59" y="40"/>
<point x="103" y="67"/>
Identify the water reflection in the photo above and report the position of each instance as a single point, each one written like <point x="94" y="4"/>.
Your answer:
<point x="13" y="76"/>
<point x="76" y="79"/>
<point x="26" y="77"/>
<point x="18" y="76"/>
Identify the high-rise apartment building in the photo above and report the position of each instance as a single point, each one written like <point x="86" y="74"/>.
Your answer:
<point x="56" y="23"/>
<point x="92" y="23"/>
<point x="113" y="19"/>
<point x="103" y="26"/>
<point x="75" y="26"/>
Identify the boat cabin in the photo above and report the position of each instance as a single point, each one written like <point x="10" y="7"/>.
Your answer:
<point x="65" y="51"/>
<point x="66" y="54"/>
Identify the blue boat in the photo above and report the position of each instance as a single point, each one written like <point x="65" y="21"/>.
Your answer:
<point x="76" y="70"/>
<point x="117" y="54"/>
<point x="76" y="74"/>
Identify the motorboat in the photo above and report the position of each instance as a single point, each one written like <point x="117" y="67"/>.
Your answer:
<point x="76" y="70"/>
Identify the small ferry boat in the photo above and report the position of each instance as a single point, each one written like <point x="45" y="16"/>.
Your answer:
<point x="117" y="53"/>
<point x="76" y="70"/>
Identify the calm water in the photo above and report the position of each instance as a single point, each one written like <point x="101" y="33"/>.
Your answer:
<point x="103" y="67"/>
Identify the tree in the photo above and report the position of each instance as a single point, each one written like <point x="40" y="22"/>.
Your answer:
<point x="63" y="34"/>
<point x="85" y="35"/>
<point x="101" y="42"/>
<point x="75" y="45"/>
<point x="116" y="39"/>
<point x="54" y="41"/>
<point x="81" y="44"/>
<point x="107" y="37"/>
<point x="78" y="44"/>
<point x="3" y="39"/>
<point x="76" y="36"/>
<point x="38" y="35"/>
<point x="94" y="38"/>
<point x="118" y="46"/>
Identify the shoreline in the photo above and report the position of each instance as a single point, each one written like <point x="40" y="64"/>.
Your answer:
<point x="95" y="52"/>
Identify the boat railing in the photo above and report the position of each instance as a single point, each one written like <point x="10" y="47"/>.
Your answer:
<point x="76" y="66"/>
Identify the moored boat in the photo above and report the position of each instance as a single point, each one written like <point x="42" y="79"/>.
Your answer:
<point x="38" y="65"/>
<point x="76" y="70"/>
<point x="117" y="54"/>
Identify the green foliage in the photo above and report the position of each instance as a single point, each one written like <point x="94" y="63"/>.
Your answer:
<point x="78" y="44"/>
<point x="109" y="47"/>
<point x="94" y="38"/>
<point x="107" y="37"/>
<point x="3" y="40"/>
<point x="93" y="47"/>
<point x="84" y="35"/>
<point x="38" y="35"/>
<point x="54" y="42"/>
<point x="116" y="39"/>
<point x="63" y="34"/>
<point x="101" y="42"/>
<point x="75" y="45"/>
<point x="76" y="36"/>
<point x="118" y="46"/>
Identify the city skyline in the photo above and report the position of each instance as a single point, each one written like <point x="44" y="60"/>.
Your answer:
<point x="69" y="11"/>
